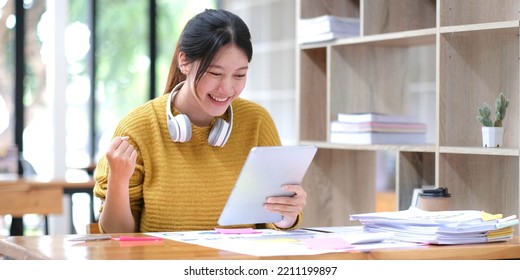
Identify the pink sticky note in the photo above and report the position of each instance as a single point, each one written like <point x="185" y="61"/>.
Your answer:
<point x="138" y="238"/>
<point x="236" y="230"/>
<point x="333" y="243"/>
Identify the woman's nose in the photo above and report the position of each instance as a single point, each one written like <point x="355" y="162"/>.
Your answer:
<point x="225" y="85"/>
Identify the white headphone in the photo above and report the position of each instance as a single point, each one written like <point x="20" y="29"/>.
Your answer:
<point x="179" y="126"/>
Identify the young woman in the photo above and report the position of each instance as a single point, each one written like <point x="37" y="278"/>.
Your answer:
<point x="174" y="160"/>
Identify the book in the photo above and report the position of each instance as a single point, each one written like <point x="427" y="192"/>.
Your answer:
<point x="326" y="28"/>
<point x="376" y="117"/>
<point x="337" y="126"/>
<point x="328" y="23"/>
<point x="377" y="138"/>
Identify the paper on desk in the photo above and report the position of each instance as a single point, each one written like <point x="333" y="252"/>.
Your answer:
<point x="332" y="243"/>
<point x="236" y="230"/>
<point x="274" y="243"/>
<point x="416" y="216"/>
<point x="440" y="227"/>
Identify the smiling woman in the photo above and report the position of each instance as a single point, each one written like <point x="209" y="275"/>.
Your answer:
<point x="150" y="183"/>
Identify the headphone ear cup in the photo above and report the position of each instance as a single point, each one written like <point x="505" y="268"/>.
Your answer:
<point x="219" y="133"/>
<point x="179" y="128"/>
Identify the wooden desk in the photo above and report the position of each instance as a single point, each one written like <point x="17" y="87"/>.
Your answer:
<point x="35" y="195"/>
<point x="60" y="248"/>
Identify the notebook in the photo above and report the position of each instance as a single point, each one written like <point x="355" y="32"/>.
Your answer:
<point x="264" y="172"/>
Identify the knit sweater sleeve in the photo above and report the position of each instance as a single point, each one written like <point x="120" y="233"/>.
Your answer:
<point x="126" y="127"/>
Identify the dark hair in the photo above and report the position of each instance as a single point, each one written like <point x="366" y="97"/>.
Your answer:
<point x="202" y="38"/>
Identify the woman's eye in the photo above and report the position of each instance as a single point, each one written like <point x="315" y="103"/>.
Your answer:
<point x="215" y="74"/>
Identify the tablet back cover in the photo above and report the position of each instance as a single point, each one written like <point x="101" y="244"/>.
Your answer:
<point x="265" y="170"/>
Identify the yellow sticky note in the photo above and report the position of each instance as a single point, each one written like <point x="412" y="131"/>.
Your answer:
<point x="490" y="217"/>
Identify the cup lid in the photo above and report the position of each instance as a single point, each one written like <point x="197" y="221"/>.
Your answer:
<point x="436" y="192"/>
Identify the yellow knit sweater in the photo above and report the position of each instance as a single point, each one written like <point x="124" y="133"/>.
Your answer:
<point x="184" y="186"/>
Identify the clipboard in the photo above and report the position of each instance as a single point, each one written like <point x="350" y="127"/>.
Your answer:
<point x="265" y="170"/>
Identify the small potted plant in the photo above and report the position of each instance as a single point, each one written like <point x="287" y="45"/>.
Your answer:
<point x="492" y="131"/>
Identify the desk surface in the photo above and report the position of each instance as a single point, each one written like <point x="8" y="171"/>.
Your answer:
<point x="61" y="248"/>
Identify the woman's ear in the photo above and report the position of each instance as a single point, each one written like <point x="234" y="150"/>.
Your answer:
<point x="184" y="64"/>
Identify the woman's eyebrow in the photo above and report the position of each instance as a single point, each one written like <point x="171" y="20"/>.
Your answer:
<point x="220" y="67"/>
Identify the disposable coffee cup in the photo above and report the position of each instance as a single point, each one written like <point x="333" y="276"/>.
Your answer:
<point x="437" y="199"/>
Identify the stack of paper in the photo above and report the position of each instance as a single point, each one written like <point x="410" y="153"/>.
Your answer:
<point x="374" y="128"/>
<point x="326" y="28"/>
<point x="440" y="227"/>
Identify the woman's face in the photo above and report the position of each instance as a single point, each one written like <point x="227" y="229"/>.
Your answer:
<point x="223" y="81"/>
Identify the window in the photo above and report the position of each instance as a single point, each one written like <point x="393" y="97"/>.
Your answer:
<point x="7" y="111"/>
<point x="59" y="110"/>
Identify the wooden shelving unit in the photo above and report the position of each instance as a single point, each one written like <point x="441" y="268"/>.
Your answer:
<point x="437" y="60"/>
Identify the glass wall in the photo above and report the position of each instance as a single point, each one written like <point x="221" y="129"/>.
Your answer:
<point x="77" y="94"/>
<point x="37" y="115"/>
<point x="123" y="55"/>
<point x="122" y="72"/>
<point x="7" y="109"/>
<point x="122" y="61"/>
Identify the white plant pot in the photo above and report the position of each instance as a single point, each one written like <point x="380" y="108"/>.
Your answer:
<point x="492" y="137"/>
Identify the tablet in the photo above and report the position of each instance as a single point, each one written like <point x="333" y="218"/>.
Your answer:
<point x="265" y="170"/>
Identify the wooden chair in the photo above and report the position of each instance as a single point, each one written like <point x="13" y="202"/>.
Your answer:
<point x="93" y="228"/>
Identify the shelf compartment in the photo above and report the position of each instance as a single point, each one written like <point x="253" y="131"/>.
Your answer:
<point x="340" y="183"/>
<point x="456" y="12"/>
<point x="377" y="79"/>
<point x="313" y="95"/>
<point x="474" y="68"/>
<point x="387" y="16"/>
<point x="415" y="169"/>
<point x="481" y="182"/>
<point x="388" y="80"/>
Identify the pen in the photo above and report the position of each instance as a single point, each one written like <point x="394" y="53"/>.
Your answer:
<point x="316" y="230"/>
<point x="92" y="238"/>
<point x="507" y="219"/>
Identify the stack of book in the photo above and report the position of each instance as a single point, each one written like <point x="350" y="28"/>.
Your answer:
<point x="440" y="227"/>
<point x="326" y="28"/>
<point x="374" y="128"/>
